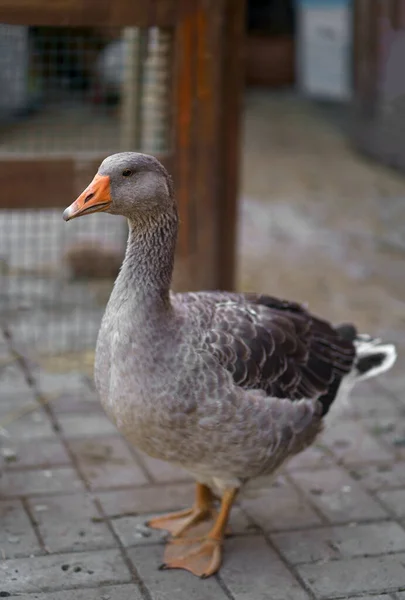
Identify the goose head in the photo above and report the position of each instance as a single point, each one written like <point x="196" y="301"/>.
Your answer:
<point x="128" y="183"/>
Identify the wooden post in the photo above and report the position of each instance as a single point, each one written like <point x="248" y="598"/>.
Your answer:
<point x="134" y="41"/>
<point x="209" y="76"/>
<point x="204" y="154"/>
<point x="232" y="94"/>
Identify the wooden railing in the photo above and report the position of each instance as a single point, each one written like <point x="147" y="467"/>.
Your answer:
<point x="204" y="156"/>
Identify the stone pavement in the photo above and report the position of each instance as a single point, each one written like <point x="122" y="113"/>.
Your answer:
<point x="74" y="498"/>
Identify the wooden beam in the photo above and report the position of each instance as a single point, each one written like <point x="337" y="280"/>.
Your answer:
<point x="207" y="134"/>
<point x="48" y="182"/>
<point x="183" y="117"/>
<point x="233" y="78"/>
<point x="94" y="13"/>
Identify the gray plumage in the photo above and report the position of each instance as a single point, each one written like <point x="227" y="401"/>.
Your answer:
<point x="226" y="385"/>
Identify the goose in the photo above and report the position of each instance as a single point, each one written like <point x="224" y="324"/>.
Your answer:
<point x="227" y="385"/>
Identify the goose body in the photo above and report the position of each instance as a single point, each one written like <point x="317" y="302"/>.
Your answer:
<point x="205" y="389"/>
<point x="226" y="385"/>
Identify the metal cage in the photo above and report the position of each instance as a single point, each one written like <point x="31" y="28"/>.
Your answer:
<point x="162" y="77"/>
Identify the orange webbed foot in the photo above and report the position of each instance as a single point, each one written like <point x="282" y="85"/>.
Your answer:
<point x="202" y="556"/>
<point x="185" y="521"/>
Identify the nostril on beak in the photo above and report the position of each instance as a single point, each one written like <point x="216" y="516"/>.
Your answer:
<point x="88" y="197"/>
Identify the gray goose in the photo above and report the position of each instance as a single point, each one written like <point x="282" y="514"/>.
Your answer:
<point x="226" y="385"/>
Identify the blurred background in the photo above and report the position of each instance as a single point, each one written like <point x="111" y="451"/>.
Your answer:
<point x="313" y="210"/>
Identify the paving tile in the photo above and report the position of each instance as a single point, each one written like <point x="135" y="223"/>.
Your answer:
<point x="395" y="500"/>
<point x="338" y="496"/>
<point x="76" y="402"/>
<point x="17" y="537"/>
<point x="107" y="462"/>
<point x="133" y="531"/>
<point x="16" y="387"/>
<point x="280" y="507"/>
<point x="340" y="542"/>
<point x="58" y="383"/>
<point x="172" y="585"/>
<point x="147" y="500"/>
<point x="253" y="570"/>
<point x="389" y="430"/>
<point x="14" y="402"/>
<point x="66" y="523"/>
<point x="394" y="384"/>
<point x="379" y="597"/>
<point x="160" y="471"/>
<point x="400" y="595"/>
<point x="25" y="483"/>
<point x="355" y="576"/>
<point x="12" y="381"/>
<point x="350" y="443"/>
<point x="127" y="591"/>
<point x="33" y="426"/>
<point x="44" y="454"/>
<point x="93" y="424"/>
<point x="381" y="476"/>
<point x="59" y="571"/>
<point x="313" y="457"/>
<point x="370" y="403"/>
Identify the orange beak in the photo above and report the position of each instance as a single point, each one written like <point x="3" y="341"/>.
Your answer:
<point x="95" y="198"/>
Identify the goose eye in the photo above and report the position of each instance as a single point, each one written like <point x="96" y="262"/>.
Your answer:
<point x="126" y="172"/>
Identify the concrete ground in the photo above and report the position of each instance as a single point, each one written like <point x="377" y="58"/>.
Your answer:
<point x="75" y="496"/>
<point x="318" y="224"/>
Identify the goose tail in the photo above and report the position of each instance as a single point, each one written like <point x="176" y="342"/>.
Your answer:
<point x="373" y="356"/>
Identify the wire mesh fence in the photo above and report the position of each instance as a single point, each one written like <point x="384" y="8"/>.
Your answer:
<point x="80" y="92"/>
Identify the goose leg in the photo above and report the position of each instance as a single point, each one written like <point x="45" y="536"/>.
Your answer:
<point x="201" y="556"/>
<point x="178" y="523"/>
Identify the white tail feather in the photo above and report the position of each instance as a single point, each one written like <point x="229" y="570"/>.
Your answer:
<point x="367" y="347"/>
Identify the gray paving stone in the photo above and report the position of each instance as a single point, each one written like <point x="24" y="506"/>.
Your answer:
<point x="147" y="500"/>
<point x="350" y="443"/>
<point x="59" y="383"/>
<point x="253" y="570"/>
<point x="175" y="584"/>
<point x="395" y="500"/>
<point x="389" y="430"/>
<point x="340" y="542"/>
<point x="12" y="381"/>
<point x="41" y="481"/>
<point x="381" y="476"/>
<point x="13" y="402"/>
<point x="127" y="591"/>
<point x="373" y="402"/>
<point x="17" y="537"/>
<point x="32" y="426"/>
<point x="280" y="507"/>
<point x="133" y="532"/>
<point x="107" y="462"/>
<point x="16" y="387"/>
<point x="395" y="385"/>
<point x="67" y="523"/>
<point x="355" y="576"/>
<point x="400" y="595"/>
<point x="86" y="425"/>
<point x="379" y="597"/>
<point x="63" y="571"/>
<point x="313" y="457"/>
<point x="338" y="496"/>
<point x="160" y="471"/>
<point x="44" y="454"/>
<point x="76" y="402"/>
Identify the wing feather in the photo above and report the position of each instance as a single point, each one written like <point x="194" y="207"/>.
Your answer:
<point x="276" y="346"/>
